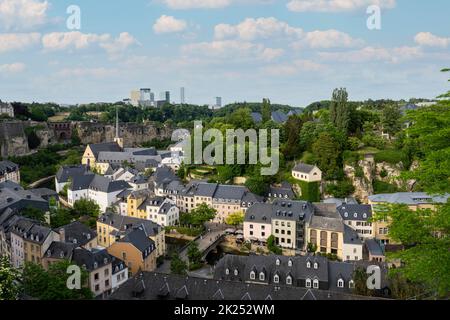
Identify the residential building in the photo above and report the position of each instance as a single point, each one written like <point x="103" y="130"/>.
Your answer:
<point x="352" y="248"/>
<point x="136" y="250"/>
<point x="112" y="227"/>
<point x="66" y="173"/>
<point x="163" y="287"/>
<point x="258" y="222"/>
<point x="309" y="272"/>
<point x="358" y="217"/>
<point x="283" y="191"/>
<point x="30" y="241"/>
<point x="13" y="196"/>
<point x="78" y="234"/>
<point x="97" y="188"/>
<point x="325" y="230"/>
<point x="373" y="251"/>
<point x="98" y="263"/>
<point x="9" y="171"/>
<point x="307" y="173"/>
<point x="413" y="200"/>
<point x="119" y="273"/>
<point x="6" y="109"/>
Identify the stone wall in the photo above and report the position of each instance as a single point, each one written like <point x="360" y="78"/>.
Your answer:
<point x="133" y="134"/>
<point x="13" y="140"/>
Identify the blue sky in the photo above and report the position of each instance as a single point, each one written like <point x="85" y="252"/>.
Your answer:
<point x="291" y="51"/>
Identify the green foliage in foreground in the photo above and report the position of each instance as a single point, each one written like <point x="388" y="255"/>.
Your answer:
<point x="9" y="281"/>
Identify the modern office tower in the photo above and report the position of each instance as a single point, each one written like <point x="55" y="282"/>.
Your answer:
<point x="219" y="102"/>
<point x="168" y="96"/>
<point x="135" y="97"/>
<point x="152" y="99"/>
<point x="145" y="100"/>
<point x="182" y="96"/>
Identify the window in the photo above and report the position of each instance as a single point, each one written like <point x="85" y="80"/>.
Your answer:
<point x="308" y="283"/>
<point x="278" y="262"/>
<point x="227" y="271"/>
<point x="236" y="272"/>
<point x="290" y="263"/>
<point x="252" y="275"/>
<point x="351" y="284"/>
<point x="308" y="265"/>
<point x="316" y="284"/>
<point x="289" y="280"/>
<point x="340" y="283"/>
<point x="262" y="276"/>
<point x="96" y="276"/>
<point x="316" y="265"/>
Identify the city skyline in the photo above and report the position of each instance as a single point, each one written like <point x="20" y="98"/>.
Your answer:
<point x="294" y="51"/>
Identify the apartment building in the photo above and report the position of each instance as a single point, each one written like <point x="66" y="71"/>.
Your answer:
<point x="358" y="217"/>
<point x="112" y="227"/>
<point x="66" y="174"/>
<point x="9" y="171"/>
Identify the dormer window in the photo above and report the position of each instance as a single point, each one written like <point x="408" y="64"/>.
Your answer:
<point x="252" y="275"/>
<point x="278" y="262"/>
<point x="355" y="215"/>
<point x="95" y="265"/>
<point x="365" y="215"/>
<point x="236" y="272"/>
<point x="351" y="284"/>
<point x="289" y="280"/>
<point x="290" y="263"/>
<point x="262" y="276"/>
<point x="308" y="265"/>
<point x="276" y="279"/>
<point x="316" y="284"/>
<point x="316" y="265"/>
<point x="340" y="283"/>
<point x="227" y="271"/>
<point x="308" y="283"/>
<point x="346" y="214"/>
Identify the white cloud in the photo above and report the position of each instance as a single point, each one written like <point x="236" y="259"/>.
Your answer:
<point x="86" y="72"/>
<point x="12" y="68"/>
<point x="72" y="40"/>
<point x="251" y="29"/>
<point x="372" y="54"/>
<point x="231" y="49"/>
<point x="336" y="5"/>
<point x="169" y="24"/>
<point x="430" y="40"/>
<point x="23" y="14"/>
<point x="197" y="4"/>
<point x="18" y="41"/>
<point x="120" y="44"/>
<point x="330" y="39"/>
<point x="296" y="67"/>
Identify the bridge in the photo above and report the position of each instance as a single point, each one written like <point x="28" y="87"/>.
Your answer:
<point x="40" y="182"/>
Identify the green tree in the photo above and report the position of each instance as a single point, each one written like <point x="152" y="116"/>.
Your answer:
<point x="52" y="284"/>
<point x="241" y="119"/>
<point x="85" y="207"/>
<point x="60" y="217"/>
<point x="360" y="278"/>
<point x="292" y="147"/>
<point x="425" y="235"/>
<point x="266" y="110"/>
<point x="272" y="246"/>
<point x="177" y="265"/>
<point x="235" y="219"/>
<point x="340" y="110"/>
<point x="198" y="216"/>
<point x="327" y="152"/>
<point x="33" y="213"/>
<point x="390" y="119"/>
<point x="9" y="280"/>
<point x="194" y="255"/>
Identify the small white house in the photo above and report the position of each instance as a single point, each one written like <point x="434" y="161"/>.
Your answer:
<point x="352" y="249"/>
<point x="307" y="173"/>
<point x="165" y="213"/>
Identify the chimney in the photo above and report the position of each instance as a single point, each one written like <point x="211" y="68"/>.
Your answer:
<point x="62" y="235"/>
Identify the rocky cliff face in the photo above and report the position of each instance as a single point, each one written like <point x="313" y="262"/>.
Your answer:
<point x="362" y="179"/>
<point x="13" y="140"/>
<point x="133" y="134"/>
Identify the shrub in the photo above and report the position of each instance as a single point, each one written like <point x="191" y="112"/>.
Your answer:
<point x="341" y="189"/>
<point x="391" y="156"/>
<point x="384" y="187"/>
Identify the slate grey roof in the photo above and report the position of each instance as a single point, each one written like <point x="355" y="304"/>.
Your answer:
<point x="304" y="168"/>
<point x="374" y="247"/>
<point x="165" y="208"/>
<point x="296" y="111"/>
<point x="279" y="209"/>
<point x="279" y="117"/>
<point x="45" y="193"/>
<point x="117" y="265"/>
<point x="355" y="212"/>
<point x="91" y="259"/>
<point x="77" y="233"/>
<point x="7" y="166"/>
<point x="104" y="147"/>
<point x="351" y="237"/>
<point x="157" y="286"/>
<point x="257" y="117"/>
<point x="30" y="230"/>
<point x="259" y="213"/>
<point x="409" y="198"/>
<point x="60" y="250"/>
<point x="125" y="223"/>
<point x="284" y="191"/>
<point x="18" y="198"/>
<point x="98" y="183"/>
<point x="326" y="217"/>
<point x="164" y="176"/>
<point x="139" y="239"/>
<point x="66" y="172"/>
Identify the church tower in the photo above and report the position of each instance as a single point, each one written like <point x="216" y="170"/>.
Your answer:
<point x="117" y="139"/>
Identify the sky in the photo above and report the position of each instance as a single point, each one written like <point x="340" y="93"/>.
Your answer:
<point x="290" y="51"/>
